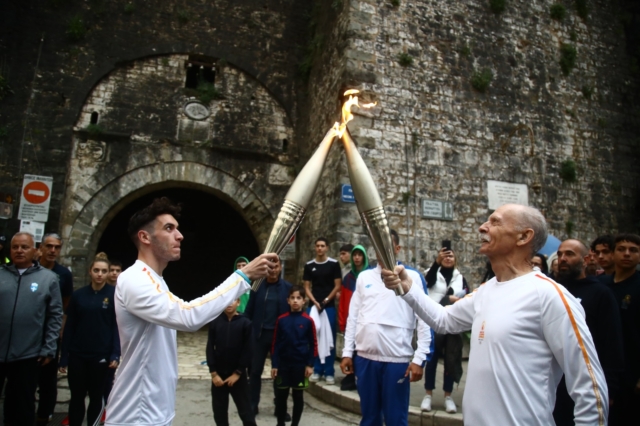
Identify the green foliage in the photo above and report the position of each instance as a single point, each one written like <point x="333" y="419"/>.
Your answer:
<point x="406" y="196"/>
<point x="558" y="11"/>
<point x="568" y="56"/>
<point x="568" y="171"/>
<point x="573" y="36"/>
<point x="587" y="91"/>
<point x="415" y="141"/>
<point x="480" y="80"/>
<point x="4" y="131"/>
<point x="497" y="6"/>
<point x="602" y="122"/>
<point x="183" y="16"/>
<point x="464" y="50"/>
<point x="207" y="92"/>
<point x="405" y="60"/>
<point x="129" y="8"/>
<point x="94" y="129"/>
<point x="314" y="47"/>
<point x="582" y="8"/>
<point x="165" y="61"/>
<point x="568" y="227"/>
<point x="222" y="62"/>
<point x="336" y="4"/>
<point x="570" y="112"/>
<point x="395" y="3"/>
<point x="76" y="29"/>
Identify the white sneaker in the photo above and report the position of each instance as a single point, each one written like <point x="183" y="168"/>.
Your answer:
<point x="330" y="380"/>
<point x="449" y="405"/>
<point x="426" y="403"/>
<point x="314" y="377"/>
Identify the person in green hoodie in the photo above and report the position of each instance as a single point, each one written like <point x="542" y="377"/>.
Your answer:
<point x="240" y="263"/>
<point x="359" y="263"/>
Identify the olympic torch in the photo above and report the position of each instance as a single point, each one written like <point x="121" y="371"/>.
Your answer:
<point x="297" y="200"/>
<point x="364" y="189"/>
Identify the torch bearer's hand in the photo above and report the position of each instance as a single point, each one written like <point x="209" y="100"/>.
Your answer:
<point x="398" y="277"/>
<point x="415" y="371"/>
<point x="346" y="365"/>
<point x="260" y="266"/>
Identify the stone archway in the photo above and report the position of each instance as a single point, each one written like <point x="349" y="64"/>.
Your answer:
<point x="83" y="231"/>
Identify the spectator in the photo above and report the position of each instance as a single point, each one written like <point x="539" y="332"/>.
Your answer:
<point x="229" y="350"/>
<point x="603" y="320"/>
<point x="294" y="349"/>
<point x="488" y="272"/>
<point x="30" y="321"/>
<point x="603" y="249"/>
<point x="553" y="269"/>
<point x="115" y="269"/>
<point x="540" y="260"/>
<point x="345" y="259"/>
<point x="48" y="377"/>
<point x="322" y="281"/>
<point x="240" y="263"/>
<point x="3" y="257"/>
<point x="90" y="344"/>
<point x="591" y="267"/>
<point x="446" y="286"/>
<point x="263" y="309"/>
<point x="625" y="284"/>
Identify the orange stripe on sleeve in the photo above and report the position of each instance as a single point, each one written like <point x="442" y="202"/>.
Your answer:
<point x="585" y="355"/>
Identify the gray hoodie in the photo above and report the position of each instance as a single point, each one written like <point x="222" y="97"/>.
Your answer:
<point x="30" y="313"/>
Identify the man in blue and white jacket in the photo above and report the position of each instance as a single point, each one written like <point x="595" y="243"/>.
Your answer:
<point x="381" y="329"/>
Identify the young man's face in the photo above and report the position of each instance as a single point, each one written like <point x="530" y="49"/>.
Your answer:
<point x="358" y="259"/>
<point x="344" y="257"/>
<point x="165" y="238"/>
<point x="321" y="248"/>
<point x="604" y="256"/>
<point x="626" y="255"/>
<point x="232" y="308"/>
<point x="241" y="264"/>
<point x="296" y="301"/>
<point x="274" y="274"/>
<point x="114" y="271"/>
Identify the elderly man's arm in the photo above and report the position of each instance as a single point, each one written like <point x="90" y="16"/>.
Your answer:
<point x="53" y="322"/>
<point x="568" y="337"/>
<point x="453" y="319"/>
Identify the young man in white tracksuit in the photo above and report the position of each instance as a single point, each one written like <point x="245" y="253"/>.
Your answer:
<point x="148" y="316"/>
<point x="526" y="330"/>
<point x="380" y="328"/>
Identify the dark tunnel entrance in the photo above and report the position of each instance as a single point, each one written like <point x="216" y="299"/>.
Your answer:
<point x="214" y="236"/>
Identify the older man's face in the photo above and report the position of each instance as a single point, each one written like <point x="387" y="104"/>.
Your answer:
<point x="22" y="251"/>
<point x="498" y="234"/>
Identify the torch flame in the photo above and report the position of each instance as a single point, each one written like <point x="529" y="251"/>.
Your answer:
<point x="346" y="111"/>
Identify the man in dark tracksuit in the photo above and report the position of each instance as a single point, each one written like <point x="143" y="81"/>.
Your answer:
<point x="30" y="321"/>
<point x="229" y="350"/>
<point x="603" y="320"/>
<point x="263" y="309"/>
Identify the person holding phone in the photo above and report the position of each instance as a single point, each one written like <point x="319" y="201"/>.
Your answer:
<point x="446" y="286"/>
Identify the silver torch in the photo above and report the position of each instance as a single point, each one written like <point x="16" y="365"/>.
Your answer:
<point x="297" y="200"/>
<point x="367" y="199"/>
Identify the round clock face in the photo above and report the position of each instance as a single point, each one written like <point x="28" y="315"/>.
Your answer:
<point x="196" y="110"/>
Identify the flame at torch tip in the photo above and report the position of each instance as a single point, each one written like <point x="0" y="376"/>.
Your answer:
<point x="346" y="111"/>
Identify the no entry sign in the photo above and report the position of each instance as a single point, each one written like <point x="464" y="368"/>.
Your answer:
<point x="36" y="195"/>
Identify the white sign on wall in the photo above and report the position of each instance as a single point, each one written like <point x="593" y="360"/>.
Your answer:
<point x="35" y="198"/>
<point x="501" y="193"/>
<point x="34" y="228"/>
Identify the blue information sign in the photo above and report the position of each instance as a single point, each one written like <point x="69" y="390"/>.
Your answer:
<point x="347" y="194"/>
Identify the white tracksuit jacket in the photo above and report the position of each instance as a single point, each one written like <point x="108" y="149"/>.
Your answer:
<point x="524" y="334"/>
<point x="148" y="316"/>
<point x="380" y="325"/>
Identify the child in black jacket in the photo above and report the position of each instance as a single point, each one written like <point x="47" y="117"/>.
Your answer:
<point x="294" y="349"/>
<point x="229" y="351"/>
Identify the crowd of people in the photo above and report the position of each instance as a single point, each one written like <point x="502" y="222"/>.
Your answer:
<point x="567" y="325"/>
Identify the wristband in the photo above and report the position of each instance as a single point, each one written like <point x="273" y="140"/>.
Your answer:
<point x="243" y="275"/>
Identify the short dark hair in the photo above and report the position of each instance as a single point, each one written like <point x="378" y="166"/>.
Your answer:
<point x="544" y="268"/>
<point x="299" y="289"/>
<point x="395" y="237"/>
<point x="144" y="217"/>
<point x="321" y="239"/>
<point x="347" y="248"/>
<point x="630" y="238"/>
<point x="605" y="240"/>
<point x="116" y="262"/>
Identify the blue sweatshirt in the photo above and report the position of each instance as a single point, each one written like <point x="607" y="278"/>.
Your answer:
<point x="91" y="330"/>
<point x="294" y="341"/>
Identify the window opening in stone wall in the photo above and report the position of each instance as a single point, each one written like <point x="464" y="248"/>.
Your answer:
<point x="285" y="145"/>
<point x="199" y="69"/>
<point x="94" y="118"/>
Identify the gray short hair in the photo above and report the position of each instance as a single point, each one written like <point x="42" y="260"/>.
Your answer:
<point x="529" y="217"/>
<point x="52" y="235"/>
<point x="28" y="234"/>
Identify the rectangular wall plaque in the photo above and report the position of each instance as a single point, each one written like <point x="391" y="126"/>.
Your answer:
<point x="501" y="193"/>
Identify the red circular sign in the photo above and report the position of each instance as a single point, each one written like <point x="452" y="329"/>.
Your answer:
<point x="36" y="192"/>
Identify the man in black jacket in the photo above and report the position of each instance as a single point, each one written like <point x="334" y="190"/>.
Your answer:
<point x="603" y="320"/>
<point x="229" y="350"/>
<point x="30" y="321"/>
<point x="263" y="309"/>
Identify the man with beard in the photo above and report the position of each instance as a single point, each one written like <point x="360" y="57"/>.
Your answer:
<point x="603" y="320"/>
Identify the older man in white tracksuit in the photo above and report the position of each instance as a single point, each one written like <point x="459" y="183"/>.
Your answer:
<point x="526" y="330"/>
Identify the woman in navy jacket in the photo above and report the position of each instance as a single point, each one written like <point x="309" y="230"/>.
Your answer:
<point x="90" y="343"/>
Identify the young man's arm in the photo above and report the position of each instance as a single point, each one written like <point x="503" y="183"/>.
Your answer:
<point x="337" y="282"/>
<point x="147" y="300"/>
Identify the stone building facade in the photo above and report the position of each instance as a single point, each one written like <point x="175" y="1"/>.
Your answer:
<point x="120" y="99"/>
